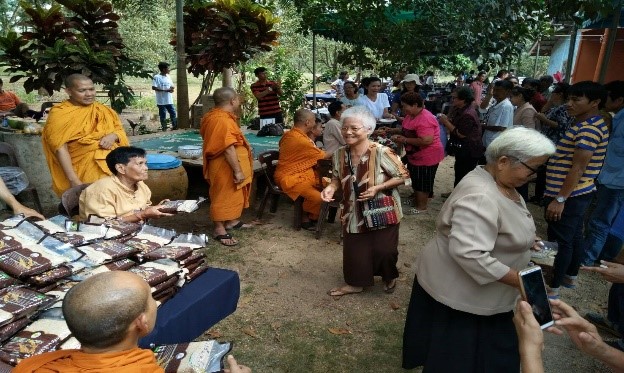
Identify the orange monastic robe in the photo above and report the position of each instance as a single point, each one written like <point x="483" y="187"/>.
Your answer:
<point x="81" y="128"/>
<point x="219" y="130"/>
<point x="136" y="360"/>
<point x="295" y="173"/>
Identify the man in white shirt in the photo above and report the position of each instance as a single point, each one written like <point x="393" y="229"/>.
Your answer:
<point x="338" y="84"/>
<point x="499" y="116"/>
<point x="163" y="86"/>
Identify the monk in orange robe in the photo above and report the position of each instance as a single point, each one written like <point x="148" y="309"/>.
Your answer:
<point x="295" y="169"/>
<point x="78" y="135"/>
<point x="228" y="165"/>
<point x="108" y="334"/>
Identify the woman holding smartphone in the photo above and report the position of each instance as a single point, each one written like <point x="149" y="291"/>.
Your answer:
<point x="461" y="308"/>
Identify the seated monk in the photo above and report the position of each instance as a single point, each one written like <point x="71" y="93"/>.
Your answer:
<point x="78" y="135"/>
<point x="295" y="169"/>
<point x="107" y="313"/>
<point x="123" y="194"/>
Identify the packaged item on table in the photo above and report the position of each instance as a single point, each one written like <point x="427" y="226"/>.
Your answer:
<point x="154" y="273"/>
<point x="55" y="224"/>
<point x="193" y="266"/>
<point x="165" y="294"/>
<point x="17" y="302"/>
<point x="12" y="221"/>
<point x="8" y="243"/>
<point x="70" y="344"/>
<point x="116" y="227"/>
<point x="26" y="233"/>
<point x="106" y="251"/>
<point x="118" y="265"/>
<point x="166" y="252"/>
<point x="39" y="337"/>
<point x="204" y="356"/>
<point x="61" y="248"/>
<point x="29" y="261"/>
<point x="196" y="256"/>
<point x="197" y="272"/>
<point x="6" y="280"/>
<point x="191" y="240"/>
<point x="8" y="330"/>
<point x="188" y="205"/>
<point x="168" y="283"/>
<point x="56" y="274"/>
<point x="151" y="238"/>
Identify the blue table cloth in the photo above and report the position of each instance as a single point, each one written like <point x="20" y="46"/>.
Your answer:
<point x="198" y="306"/>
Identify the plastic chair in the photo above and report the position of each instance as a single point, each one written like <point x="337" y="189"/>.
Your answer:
<point x="7" y="150"/>
<point x="70" y="199"/>
<point x="267" y="162"/>
<point x="325" y="169"/>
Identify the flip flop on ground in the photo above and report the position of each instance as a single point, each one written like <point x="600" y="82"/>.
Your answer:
<point x="345" y="290"/>
<point x="390" y="286"/>
<point x="226" y="239"/>
<point x="240" y="225"/>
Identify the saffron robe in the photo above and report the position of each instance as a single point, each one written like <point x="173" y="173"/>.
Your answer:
<point x="295" y="170"/>
<point x="220" y="130"/>
<point x="136" y="360"/>
<point x="81" y="128"/>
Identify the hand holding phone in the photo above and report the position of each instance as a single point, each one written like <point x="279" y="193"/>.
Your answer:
<point x="533" y="291"/>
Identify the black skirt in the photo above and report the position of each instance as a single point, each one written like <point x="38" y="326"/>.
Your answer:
<point x="446" y="340"/>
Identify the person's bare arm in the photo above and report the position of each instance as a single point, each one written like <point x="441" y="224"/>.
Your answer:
<point x="107" y="141"/>
<point x="62" y="154"/>
<point x="151" y="212"/>
<point x="17" y="207"/>
<point x="614" y="272"/>
<point x="232" y="159"/>
<point x="511" y="278"/>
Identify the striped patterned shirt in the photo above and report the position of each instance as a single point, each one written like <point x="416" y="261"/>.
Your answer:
<point x="591" y="135"/>
<point x="268" y="104"/>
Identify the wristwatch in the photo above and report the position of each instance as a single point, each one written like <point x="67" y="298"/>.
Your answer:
<point x="560" y="199"/>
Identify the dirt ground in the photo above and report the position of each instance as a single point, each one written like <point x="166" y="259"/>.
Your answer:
<point x="285" y="275"/>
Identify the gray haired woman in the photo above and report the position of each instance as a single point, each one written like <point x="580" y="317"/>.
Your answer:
<point x="461" y="308"/>
<point x="364" y="170"/>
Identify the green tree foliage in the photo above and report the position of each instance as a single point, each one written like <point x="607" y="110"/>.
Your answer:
<point x="224" y="33"/>
<point x="72" y="36"/>
<point x="147" y="38"/>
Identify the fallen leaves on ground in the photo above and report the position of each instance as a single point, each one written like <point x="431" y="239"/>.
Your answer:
<point x="214" y="334"/>
<point x="339" y="331"/>
<point x="394" y="305"/>
<point x="250" y="332"/>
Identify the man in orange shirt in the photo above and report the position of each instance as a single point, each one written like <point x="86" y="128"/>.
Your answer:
<point x="78" y="135"/>
<point x="228" y="165"/>
<point x="295" y="168"/>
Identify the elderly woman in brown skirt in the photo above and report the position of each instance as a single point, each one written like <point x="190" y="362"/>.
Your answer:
<point x="364" y="171"/>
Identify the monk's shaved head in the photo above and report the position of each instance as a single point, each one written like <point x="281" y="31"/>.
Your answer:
<point x="223" y="95"/>
<point x="303" y="115"/>
<point x="100" y="310"/>
<point x="73" y="78"/>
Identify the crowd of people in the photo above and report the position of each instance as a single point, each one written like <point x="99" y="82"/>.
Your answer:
<point x="503" y="136"/>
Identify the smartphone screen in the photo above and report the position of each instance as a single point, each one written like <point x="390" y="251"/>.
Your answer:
<point x="534" y="292"/>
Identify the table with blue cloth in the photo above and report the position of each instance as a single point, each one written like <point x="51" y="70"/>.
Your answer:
<point x="169" y="142"/>
<point x="195" y="308"/>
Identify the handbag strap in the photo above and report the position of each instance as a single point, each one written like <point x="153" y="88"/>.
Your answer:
<point x="353" y="178"/>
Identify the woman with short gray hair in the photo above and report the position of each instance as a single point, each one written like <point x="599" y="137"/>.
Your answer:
<point x="461" y="309"/>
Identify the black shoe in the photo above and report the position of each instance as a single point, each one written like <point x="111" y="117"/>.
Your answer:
<point x="615" y="343"/>
<point x="309" y="225"/>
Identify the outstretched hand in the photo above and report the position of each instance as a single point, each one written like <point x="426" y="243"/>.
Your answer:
<point x="234" y="367"/>
<point x="327" y="194"/>
<point x="614" y="272"/>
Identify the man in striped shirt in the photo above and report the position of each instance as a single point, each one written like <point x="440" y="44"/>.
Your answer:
<point x="267" y="93"/>
<point x="570" y="175"/>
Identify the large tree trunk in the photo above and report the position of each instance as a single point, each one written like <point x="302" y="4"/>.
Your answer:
<point x="182" y="88"/>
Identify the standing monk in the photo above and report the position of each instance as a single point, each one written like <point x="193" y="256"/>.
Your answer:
<point x="295" y="172"/>
<point x="228" y="165"/>
<point x="78" y="136"/>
